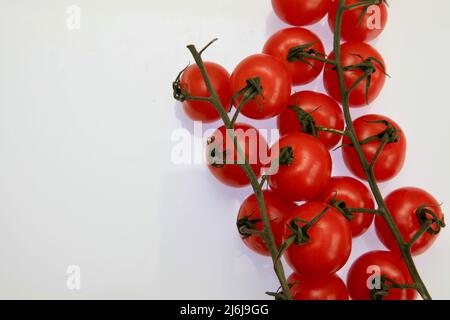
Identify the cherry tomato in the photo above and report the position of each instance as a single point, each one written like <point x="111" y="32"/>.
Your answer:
<point x="354" y="194"/>
<point x="279" y="44"/>
<point x="223" y="158"/>
<point x="192" y="81"/>
<point x="301" y="12"/>
<point x="330" y="242"/>
<point x="368" y="269"/>
<point x="324" y="111"/>
<point x="317" y="287"/>
<point x="354" y="28"/>
<point x="353" y="53"/>
<point x="392" y="157"/>
<point x="277" y="210"/>
<point x="307" y="171"/>
<point x="403" y="205"/>
<point x="275" y="82"/>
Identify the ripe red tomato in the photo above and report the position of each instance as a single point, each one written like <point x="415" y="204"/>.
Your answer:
<point x="322" y="108"/>
<point x="279" y="44"/>
<point x="223" y="158"/>
<point x="300" y="12"/>
<point x="330" y="241"/>
<point x="277" y="210"/>
<point x="391" y="159"/>
<point x="192" y="81"/>
<point x="308" y="172"/>
<point x="275" y="82"/>
<point x="355" y="195"/>
<point x="317" y="287"/>
<point x="353" y="53"/>
<point x="403" y="205"/>
<point x="374" y="265"/>
<point x="353" y="28"/>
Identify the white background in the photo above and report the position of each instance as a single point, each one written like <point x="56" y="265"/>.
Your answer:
<point x="86" y="119"/>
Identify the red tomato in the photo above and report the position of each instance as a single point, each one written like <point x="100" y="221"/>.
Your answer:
<point x="391" y="159"/>
<point x="323" y="109"/>
<point x="353" y="28"/>
<point x="279" y="44"/>
<point x="330" y="241"/>
<point x="308" y="172"/>
<point x="275" y="82"/>
<point x="224" y="160"/>
<point x="355" y="195"/>
<point x="192" y="81"/>
<point x="403" y="205"/>
<point x="317" y="287"/>
<point x="277" y="210"/>
<point x="365" y="270"/>
<point x="353" y="53"/>
<point x="300" y="12"/>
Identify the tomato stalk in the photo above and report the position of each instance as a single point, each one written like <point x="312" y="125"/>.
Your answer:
<point x="266" y="234"/>
<point x="405" y="249"/>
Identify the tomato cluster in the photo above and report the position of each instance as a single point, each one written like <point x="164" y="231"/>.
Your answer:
<point x="314" y="216"/>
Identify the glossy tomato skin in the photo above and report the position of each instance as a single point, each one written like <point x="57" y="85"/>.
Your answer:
<point x="369" y="28"/>
<point x="252" y="143"/>
<point x="279" y="44"/>
<point x="403" y="204"/>
<point x="362" y="270"/>
<point x="317" y="287"/>
<point x="325" y="111"/>
<point x="354" y="53"/>
<point x="277" y="209"/>
<point x="355" y="195"/>
<point x="308" y="174"/>
<point x="391" y="159"/>
<point x="300" y="12"/>
<point x="275" y="81"/>
<point x="330" y="241"/>
<point x="192" y="81"/>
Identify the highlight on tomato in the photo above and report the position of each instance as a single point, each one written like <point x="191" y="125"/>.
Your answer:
<point x="349" y="193"/>
<point x="363" y="23"/>
<point x="194" y="85"/>
<point x="282" y="46"/>
<point x="250" y="220"/>
<point x="373" y="276"/>
<point x="370" y="131"/>
<point x="224" y="159"/>
<point x="360" y="61"/>
<point x="414" y="210"/>
<point x="301" y="12"/>
<point x="317" y="287"/>
<point x="312" y="113"/>
<point x="304" y="167"/>
<point x="266" y="76"/>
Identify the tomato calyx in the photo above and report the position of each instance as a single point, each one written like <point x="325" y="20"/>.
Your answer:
<point x="382" y="289"/>
<point x="286" y="156"/>
<point x="251" y="91"/>
<point x="216" y="158"/>
<point x="179" y="93"/>
<point x="306" y="120"/>
<point x="341" y="206"/>
<point x="246" y="226"/>
<point x="387" y="136"/>
<point x="304" y="52"/>
<point x="429" y="220"/>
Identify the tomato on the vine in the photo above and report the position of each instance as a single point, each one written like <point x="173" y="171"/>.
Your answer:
<point x="279" y="44"/>
<point x="405" y="206"/>
<point x="316" y="110"/>
<point x="224" y="159"/>
<point x="275" y="82"/>
<point x="371" y="272"/>
<point x="301" y="12"/>
<point x="194" y="84"/>
<point x="329" y="244"/>
<point x="317" y="287"/>
<point x="250" y="217"/>
<point x="353" y="194"/>
<point x="304" y="167"/>
<point x="392" y="157"/>
<point x="361" y="23"/>
<point x="362" y="55"/>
